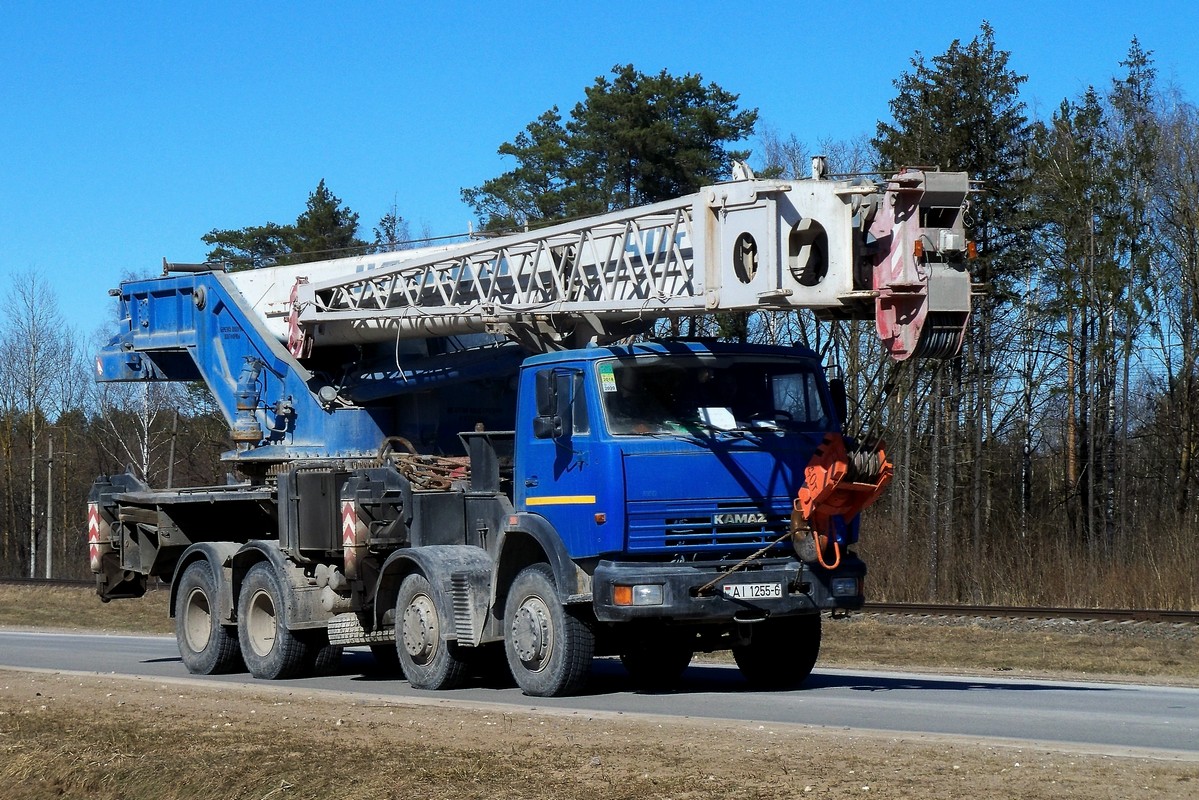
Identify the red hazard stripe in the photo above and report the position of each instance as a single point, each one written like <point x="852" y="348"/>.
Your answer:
<point x="349" y="521"/>
<point x="93" y="535"/>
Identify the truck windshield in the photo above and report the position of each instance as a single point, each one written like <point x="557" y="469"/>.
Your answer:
<point x="671" y="394"/>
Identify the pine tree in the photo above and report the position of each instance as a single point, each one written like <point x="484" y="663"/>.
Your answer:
<point x="634" y="139"/>
<point x="962" y="111"/>
<point x="325" y="229"/>
<point x="1074" y="192"/>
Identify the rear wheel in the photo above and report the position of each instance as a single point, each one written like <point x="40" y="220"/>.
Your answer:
<point x="206" y="646"/>
<point x="271" y="650"/>
<point x="657" y="662"/>
<point x="427" y="660"/>
<point x="549" y="649"/>
<point x="387" y="660"/>
<point x="326" y="658"/>
<point x="780" y="653"/>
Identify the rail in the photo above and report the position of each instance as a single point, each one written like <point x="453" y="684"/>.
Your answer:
<point x="46" y="582"/>
<point x="1036" y="612"/>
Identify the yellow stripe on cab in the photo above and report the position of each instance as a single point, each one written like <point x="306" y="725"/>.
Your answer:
<point x="562" y="500"/>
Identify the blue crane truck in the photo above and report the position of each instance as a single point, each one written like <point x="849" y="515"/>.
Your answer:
<point x="487" y="456"/>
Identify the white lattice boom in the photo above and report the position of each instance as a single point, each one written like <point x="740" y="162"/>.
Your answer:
<point x="738" y="246"/>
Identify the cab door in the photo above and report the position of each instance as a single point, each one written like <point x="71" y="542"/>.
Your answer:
<point x="559" y="477"/>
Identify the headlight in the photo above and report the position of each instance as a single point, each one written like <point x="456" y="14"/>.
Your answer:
<point x="642" y="594"/>
<point x="845" y="587"/>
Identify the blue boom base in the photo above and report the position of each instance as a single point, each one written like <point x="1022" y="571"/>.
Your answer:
<point x="195" y="327"/>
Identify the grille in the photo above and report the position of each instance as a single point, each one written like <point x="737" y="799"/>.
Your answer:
<point x="464" y="615"/>
<point x="697" y="526"/>
<point x="345" y="630"/>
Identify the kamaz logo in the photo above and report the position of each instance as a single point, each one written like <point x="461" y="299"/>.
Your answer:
<point x="751" y="518"/>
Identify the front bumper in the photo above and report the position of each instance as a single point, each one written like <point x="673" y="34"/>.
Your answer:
<point x="804" y="590"/>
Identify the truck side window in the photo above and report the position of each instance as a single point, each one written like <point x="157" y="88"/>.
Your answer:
<point x="580" y="419"/>
<point x="798" y="393"/>
<point x="561" y="399"/>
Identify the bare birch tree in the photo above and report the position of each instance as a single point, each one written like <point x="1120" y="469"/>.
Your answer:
<point x="40" y="376"/>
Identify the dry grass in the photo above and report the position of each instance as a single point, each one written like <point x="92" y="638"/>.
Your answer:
<point x="104" y="738"/>
<point x="1043" y="569"/>
<point x="1151" y="653"/>
<point x="77" y="608"/>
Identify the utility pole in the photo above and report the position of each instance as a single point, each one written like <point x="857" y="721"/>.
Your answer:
<point x="49" y="507"/>
<point x="171" y="459"/>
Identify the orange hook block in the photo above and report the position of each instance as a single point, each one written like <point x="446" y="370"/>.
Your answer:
<point x="835" y="486"/>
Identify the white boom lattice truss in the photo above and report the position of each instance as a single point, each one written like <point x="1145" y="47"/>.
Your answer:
<point x="737" y="246"/>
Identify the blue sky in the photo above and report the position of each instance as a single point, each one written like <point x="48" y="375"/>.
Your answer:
<point x="131" y="129"/>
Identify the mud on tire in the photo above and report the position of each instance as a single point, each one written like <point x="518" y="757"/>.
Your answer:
<point x="549" y="648"/>
<point x="270" y="650"/>
<point x="428" y="661"/>
<point x="206" y="646"/>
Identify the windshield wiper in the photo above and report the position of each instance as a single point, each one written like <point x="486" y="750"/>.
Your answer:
<point x="716" y="430"/>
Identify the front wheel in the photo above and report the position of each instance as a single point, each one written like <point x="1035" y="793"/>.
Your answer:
<point x="780" y="653"/>
<point x="549" y="649"/>
<point x="206" y="646"/>
<point x="271" y="650"/>
<point x="428" y="661"/>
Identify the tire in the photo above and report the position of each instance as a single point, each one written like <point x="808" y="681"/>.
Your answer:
<point x="270" y="650"/>
<point x="657" y="663"/>
<point x="549" y="649"/>
<point x="780" y="653"/>
<point x="387" y="660"/>
<point x="206" y="646"/>
<point x="428" y="661"/>
<point x="326" y="658"/>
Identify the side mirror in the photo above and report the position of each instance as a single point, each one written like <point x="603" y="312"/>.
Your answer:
<point x="550" y="398"/>
<point x="836" y="388"/>
<point x="546" y="393"/>
<point x="547" y="427"/>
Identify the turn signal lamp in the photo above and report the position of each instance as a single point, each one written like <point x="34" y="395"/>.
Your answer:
<point x="642" y="594"/>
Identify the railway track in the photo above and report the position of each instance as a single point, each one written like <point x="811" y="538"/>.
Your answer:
<point x="1033" y="612"/>
<point x="44" y="582"/>
<point x="153" y="583"/>
<point x="909" y="609"/>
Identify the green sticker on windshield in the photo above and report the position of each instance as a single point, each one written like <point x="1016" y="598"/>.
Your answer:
<point x="607" y="378"/>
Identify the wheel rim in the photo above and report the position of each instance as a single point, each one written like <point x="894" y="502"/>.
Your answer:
<point x="261" y="623"/>
<point x="533" y="633"/>
<point x="420" y="630"/>
<point x="197" y="620"/>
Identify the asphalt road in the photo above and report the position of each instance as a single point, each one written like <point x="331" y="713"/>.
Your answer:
<point x="1100" y="717"/>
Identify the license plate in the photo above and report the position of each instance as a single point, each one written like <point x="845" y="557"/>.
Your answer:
<point x="753" y="591"/>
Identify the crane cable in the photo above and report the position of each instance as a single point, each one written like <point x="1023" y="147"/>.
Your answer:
<point x="864" y="462"/>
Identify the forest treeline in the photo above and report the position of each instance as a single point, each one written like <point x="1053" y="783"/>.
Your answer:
<point x="1052" y="461"/>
